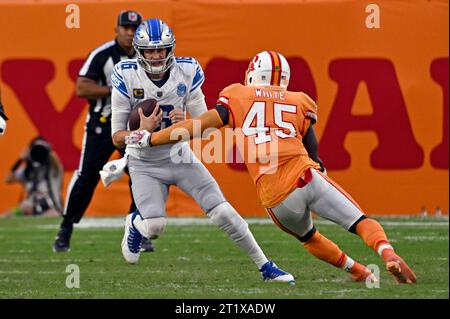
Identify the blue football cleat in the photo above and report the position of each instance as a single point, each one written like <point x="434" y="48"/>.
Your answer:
<point x="270" y="272"/>
<point x="132" y="239"/>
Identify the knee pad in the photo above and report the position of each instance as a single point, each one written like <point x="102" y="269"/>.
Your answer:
<point x="151" y="227"/>
<point x="228" y="219"/>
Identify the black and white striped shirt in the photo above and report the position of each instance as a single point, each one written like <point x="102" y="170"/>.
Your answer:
<point x="2" y="112"/>
<point x="98" y="67"/>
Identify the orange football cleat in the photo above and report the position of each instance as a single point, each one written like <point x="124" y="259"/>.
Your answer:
<point x="398" y="268"/>
<point x="361" y="273"/>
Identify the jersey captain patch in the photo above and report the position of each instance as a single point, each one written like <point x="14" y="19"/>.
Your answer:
<point x="138" y="93"/>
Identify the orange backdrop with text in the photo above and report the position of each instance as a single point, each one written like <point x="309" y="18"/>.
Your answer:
<point x="382" y="90"/>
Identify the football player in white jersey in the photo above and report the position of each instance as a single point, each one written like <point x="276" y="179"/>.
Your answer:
<point x="176" y="84"/>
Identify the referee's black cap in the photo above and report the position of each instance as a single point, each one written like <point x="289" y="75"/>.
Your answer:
<point x="129" y="18"/>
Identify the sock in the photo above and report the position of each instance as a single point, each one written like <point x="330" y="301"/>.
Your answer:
<point x="372" y="233"/>
<point x="349" y="265"/>
<point x="226" y="218"/>
<point x="66" y="224"/>
<point x="355" y="268"/>
<point x="251" y="248"/>
<point x="324" y="249"/>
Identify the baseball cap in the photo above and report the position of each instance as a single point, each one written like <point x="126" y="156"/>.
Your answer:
<point x="129" y="18"/>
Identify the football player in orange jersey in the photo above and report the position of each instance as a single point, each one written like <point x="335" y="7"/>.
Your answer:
<point x="272" y="119"/>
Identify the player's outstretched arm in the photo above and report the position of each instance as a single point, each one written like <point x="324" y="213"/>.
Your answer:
<point x="185" y="129"/>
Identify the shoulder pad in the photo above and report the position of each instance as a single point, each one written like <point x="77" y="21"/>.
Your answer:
<point x="127" y="64"/>
<point x="187" y="60"/>
<point x="227" y="91"/>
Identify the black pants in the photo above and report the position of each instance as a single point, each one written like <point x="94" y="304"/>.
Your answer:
<point x="96" y="150"/>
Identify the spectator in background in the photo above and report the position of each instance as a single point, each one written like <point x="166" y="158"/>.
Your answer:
<point x="40" y="172"/>
<point x="94" y="84"/>
<point x="3" y="117"/>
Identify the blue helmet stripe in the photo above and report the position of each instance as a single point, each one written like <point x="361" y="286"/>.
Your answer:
<point x="154" y="30"/>
<point x="149" y="27"/>
<point x="158" y="29"/>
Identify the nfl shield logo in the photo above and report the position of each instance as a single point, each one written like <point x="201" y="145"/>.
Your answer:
<point x="181" y="90"/>
<point x="132" y="16"/>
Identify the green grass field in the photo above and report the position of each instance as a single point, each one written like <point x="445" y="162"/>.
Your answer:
<point x="199" y="261"/>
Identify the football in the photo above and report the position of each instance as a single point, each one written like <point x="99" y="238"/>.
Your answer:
<point x="147" y="106"/>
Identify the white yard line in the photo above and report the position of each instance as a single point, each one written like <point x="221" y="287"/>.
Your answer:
<point x="118" y="222"/>
<point x="423" y="238"/>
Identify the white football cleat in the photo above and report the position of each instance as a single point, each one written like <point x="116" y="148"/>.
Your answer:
<point x="132" y="239"/>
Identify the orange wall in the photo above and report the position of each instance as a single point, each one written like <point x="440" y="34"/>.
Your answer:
<point x="383" y="112"/>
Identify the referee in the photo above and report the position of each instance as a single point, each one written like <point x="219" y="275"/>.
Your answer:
<point x="3" y="117"/>
<point x="94" y="84"/>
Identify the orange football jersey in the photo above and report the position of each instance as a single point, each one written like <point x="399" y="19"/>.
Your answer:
<point x="270" y="123"/>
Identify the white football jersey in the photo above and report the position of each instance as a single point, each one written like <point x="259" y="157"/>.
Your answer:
<point x="182" y="90"/>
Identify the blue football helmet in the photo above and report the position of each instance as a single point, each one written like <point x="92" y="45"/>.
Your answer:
<point x="154" y="34"/>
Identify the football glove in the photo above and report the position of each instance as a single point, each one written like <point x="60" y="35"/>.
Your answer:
<point x="113" y="170"/>
<point x="138" y="139"/>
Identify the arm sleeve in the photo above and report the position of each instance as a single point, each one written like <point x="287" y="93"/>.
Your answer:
<point x="311" y="145"/>
<point x="224" y="101"/>
<point x="120" y="101"/>
<point x="196" y="104"/>
<point x="185" y="130"/>
<point x="92" y="67"/>
<point x="224" y="113"/>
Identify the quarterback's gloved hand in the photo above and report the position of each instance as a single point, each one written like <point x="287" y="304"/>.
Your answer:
<point x="138" y="139"/>
<point x="2" y="126"/>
